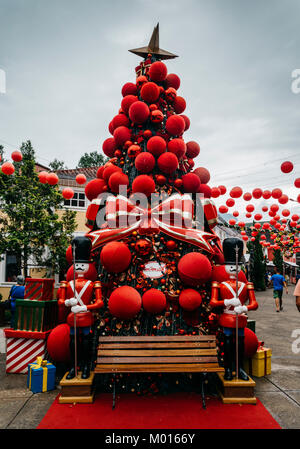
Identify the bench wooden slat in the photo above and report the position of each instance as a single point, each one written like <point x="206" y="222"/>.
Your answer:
<point x="119" y="360"/>
<point x="164" y="344"/>
<point x="158" y="368"/>
<point x="155" y="352"/>
<point x="158" y="338"/>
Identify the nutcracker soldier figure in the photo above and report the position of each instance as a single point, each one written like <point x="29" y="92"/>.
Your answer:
<point x="232" y="296"/>
<point x="80" y="299"/>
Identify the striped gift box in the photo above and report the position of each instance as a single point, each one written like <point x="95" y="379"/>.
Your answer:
<point x="23" y="348"/>
<point x="39" y="289"/>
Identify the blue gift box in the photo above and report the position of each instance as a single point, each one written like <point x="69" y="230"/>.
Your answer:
<point x="41" y="376"/>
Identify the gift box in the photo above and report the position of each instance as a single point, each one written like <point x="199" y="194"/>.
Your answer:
<point x="39" y="289"/>
<point x="35" y="316"/>
<point x="259" y="364"/>
<point x="41" y="376"/>
<point x="23" y="348"/>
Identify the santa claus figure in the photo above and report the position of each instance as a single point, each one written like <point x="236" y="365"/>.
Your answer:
<point x="83" y="298"/>
<point x="232" y="297"/>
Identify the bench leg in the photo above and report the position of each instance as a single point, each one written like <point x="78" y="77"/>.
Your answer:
<point x="114" y="393"/>
<point x="203" y="377"/>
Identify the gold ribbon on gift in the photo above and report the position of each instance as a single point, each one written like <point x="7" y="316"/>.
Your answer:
<point x="40" y="363"/>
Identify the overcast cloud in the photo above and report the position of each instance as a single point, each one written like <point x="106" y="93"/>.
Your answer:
<point x="67" y="60"/>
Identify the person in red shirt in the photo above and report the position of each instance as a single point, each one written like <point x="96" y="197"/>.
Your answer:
<point x="224" y="295"/>
<point x="84" y="299"/>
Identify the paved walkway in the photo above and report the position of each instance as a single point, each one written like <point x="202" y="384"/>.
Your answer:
<point x="279" y="392"/>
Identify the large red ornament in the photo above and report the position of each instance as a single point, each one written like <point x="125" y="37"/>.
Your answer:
<point x="115" y="257"/>
<point x="230" y="202"/>
<point x="129" y="89"/>
<point x="251" y="343"/>
<point x="267" y="194"/>
<point x="257" y="193"/>
<point x="283" y="199"/>
<point x="247" y="196"/>
<point x="173" y="80"/>
<point x="121" y="135"/>
<point x="80" y="179"/>
<point x="203" y="174"/>
<point x="236" y="192"/>
<point x="179" y="105"/>
<point x="190" y="299"/>
<point x="222" y="189"/>
<point x="206" y="190"/>
<point x="274" y="207"/>
<point x="192" y="149"/>
<point x="94" y="188"/>
<point x="143" y="184"/>
<point x="125" y="302"/>
<point x="150" y="92"/>
<point x="194" y="269"/>
<point x="223" y="209"/>
<point x="287" y="167"/>
<point x="43" y="176"/>
<point x="250" y="208"/>
<point x="257" y="217"/>
<point x="127" y="101"/>
<point x="154" y="301"/>
<point x="116" y="180"/>
<point x="67" y="193"/>
<point x="285" y="213"/>
<point x="276" y="193"/>
<point x="167" y="163"/>
<point x="120" y="120"/>
<point x="187" y="121"/>
<point x="16" y="156"/>
<point x="144" y="162"/>
<point x="158" y="71"/>
<point x="215" y="192"/>
<point x="191" y="183"/>
<point x="109" y="146"/>
<point x="139" y="112"/>
<point x="52" y="179"/>
<point x="109" y="170"/>
<point x="175" y="125"/>
<point x="156" y="145"/>
<point x="178" y="147"/>
<point x="58" y="343"/>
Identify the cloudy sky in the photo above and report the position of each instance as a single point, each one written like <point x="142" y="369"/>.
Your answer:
<point x="66" y="61"/>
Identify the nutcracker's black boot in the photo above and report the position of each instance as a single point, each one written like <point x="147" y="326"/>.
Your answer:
<point x="71" y="373"/>
<point x="86" y="357"/>
<point x="228" y="354"/>
<point x="242" y="374"/>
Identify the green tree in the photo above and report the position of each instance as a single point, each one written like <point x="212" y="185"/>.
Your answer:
<point x="278" y="260"/>
<point x="259" y="265"/>
<point x="30" y="223"/>
<point x="93" y="159"/>
<point x="56" y="164"/>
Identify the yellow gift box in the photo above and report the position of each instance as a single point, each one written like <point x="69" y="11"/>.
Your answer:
<point x="259" y="365"/>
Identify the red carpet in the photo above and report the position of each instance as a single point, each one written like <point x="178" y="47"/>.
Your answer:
<point x="174" y="411"/>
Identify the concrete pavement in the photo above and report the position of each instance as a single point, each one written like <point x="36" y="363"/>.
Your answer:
<point x="279" y="392"/>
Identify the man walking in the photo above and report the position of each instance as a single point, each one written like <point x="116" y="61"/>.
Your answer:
<point x="278" y="284"/>
<point x="297" y="294"/>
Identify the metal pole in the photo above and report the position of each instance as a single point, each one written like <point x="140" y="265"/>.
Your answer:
<point x="236" y="315"/>
<point x="75" y="329"/>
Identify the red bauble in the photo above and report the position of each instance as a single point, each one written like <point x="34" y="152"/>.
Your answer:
<point x="235" y="213"/>
<point x="232" y="222"/>
<point x="7" y="168"/>
<point x="236" y="192"/>
<point x="250" y="343"/>
<point x="80" y="179"/>
<point x="297" y="183"/>
<point x="120" y="120"/>
<point x="230" y="202"/>
<point x="156" y="116"/>
<point x="58" y="343"/>
<point x="156" y="145"/>
<point x="125" y="302"/>
<point x="127" y="101"/>
<point x="222" y="189"/>
<point x="143" y="184"/>
<point x="161" y="180"/>
<point x="215" y="192"/>
<point x="257" y="217"/>
<point x="223" y="209"/>
<point x="139" y="112"/>
<point x="158" y="71"/>
<point x="121" y="135"/>
<point x="173" y="80"/>
<point x="179" y="105"/>
<point x="190" y="299"/>
<point x="287" y="167"/>
<point x="187" y="121"/>
<point x="257" y="193"/>
<point x="274" y="207"/>
<point x="285" y="213"/>
<point x="154" y="301"/>
<point x="178" y="147"/>
<point x="116" y="180"/>
<point x="276" y="193"/>
<point x="43" y="176"/>
<point x="175" y="125"/>
<point x="109" y="146"/>
<point x="283" y="199"/>
<point x="203" y="174"/>
<point x="267" y="194"/>
<point x="67" y="193"/>
<point x="192" y="149"/>
<point x="250" y="208"/>
<point x="194" y="269"/>
<point x="94" y="188"/>
<point x="191" y="183"/>
<point x="150" y="92"/>
<point x="144" y="162"/>
<point x="100" y="171"/>
<point x="16" y="156"/>
<point x="52" y="179"/>
<point x="109" y="170"/>
<point x="115" y="257"/>
<point x="167" y="163"/>
<point x="129" y="89"/>
<point x="247" y="196"/>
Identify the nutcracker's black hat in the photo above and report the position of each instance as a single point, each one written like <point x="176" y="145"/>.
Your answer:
<point x="229" y="250"/>
<point x="83" y="246"/>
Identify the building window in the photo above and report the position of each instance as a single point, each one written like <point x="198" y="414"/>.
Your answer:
<point x="77" y="201"/>
<point x="12" y="267"/>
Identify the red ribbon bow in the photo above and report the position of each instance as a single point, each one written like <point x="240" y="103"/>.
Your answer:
<point x="173" y="217"/>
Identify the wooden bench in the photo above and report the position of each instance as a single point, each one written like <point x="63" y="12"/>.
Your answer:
<point x="158" y="354"/>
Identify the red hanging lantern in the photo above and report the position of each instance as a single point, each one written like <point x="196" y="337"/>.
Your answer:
<point x="297" y="183"/>
<point x="16" y="156"/>
<point x="43" y="176"/>
<point x="222" y="189"/>
<point x="287" y="167"/>
<point x="250" y="208"/>
<point x="223" y="209"/>
<point x="67" y="193"/>
<point x="257" y="217"/>
<point x="267" y="194"/>
<point x="52" y="179"/>
<point x="236" y="192"/>
<point x="247" y="196"/>
<point x="230" y="202"/>
<point x="257" y="193"/>
<point x="7" y="168"/>
<point x="276" y="193"/>
<point x="283" y="199"/>
<point x="80" y="179"/>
